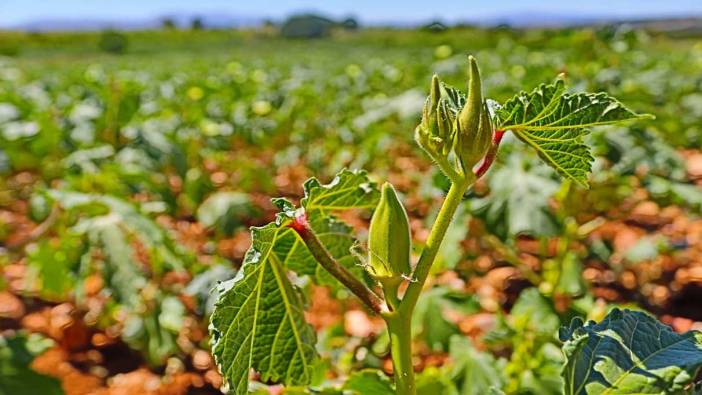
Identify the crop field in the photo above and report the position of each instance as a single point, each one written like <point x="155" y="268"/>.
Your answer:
<point x="129" y="184"/>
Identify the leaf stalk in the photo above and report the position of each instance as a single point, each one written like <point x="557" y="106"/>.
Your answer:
<point x="303" y="229"/>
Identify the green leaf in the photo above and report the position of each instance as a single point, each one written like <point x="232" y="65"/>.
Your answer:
<point x="258" y="322"/>
<point x="369" y="382"/>
<point x="629" y="352"/>
<point x="518" y="199"/>
<point x="106" y="233"/>
<point x="669" y="191"/>
<point x="554" y="123"/>
<point x="535" y="313"/>
<point x="349" y="189"/>
<point x="429" y="322"/>
<point x="473" y="371"/>
<point x="16" y="376"/>
<point x="570" y="281"/>
<point x="455" y="99"/>
<point x="433" y="381"/>
<point x="225" y="211"/>
<point x="164" y="251"/>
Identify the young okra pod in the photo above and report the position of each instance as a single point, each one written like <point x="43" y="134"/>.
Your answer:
<point x="474" y="132"/>
<point x="389" y="238"/>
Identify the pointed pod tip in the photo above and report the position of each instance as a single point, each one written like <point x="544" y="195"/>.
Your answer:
<point x="435" y="91"/>
<point x="435" y="82"/>
<point x="473" y="63"/>
<point x="387" y="188"/>
<point x="388" y="193"/>
<point x="473" y="76"/>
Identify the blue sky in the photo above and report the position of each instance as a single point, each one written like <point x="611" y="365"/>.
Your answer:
<point x="13" y="12"/>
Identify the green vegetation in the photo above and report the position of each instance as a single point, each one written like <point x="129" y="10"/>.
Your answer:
<point x="258" y="321"/>
<point x="113" y="42"/>
<point x="128" y="185"/>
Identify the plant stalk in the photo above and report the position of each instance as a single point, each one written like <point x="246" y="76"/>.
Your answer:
<point x="327" y="261"/>
<point x="400" y="330"/>
<point x="436" y="236"/>
<point x="399" y="321"/>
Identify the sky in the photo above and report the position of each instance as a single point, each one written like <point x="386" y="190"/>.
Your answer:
<point x="16" y="12"/>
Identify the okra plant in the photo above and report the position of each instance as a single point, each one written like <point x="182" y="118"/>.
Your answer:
<point x="259" y="324"/>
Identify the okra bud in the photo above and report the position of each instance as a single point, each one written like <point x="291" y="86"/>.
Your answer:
<point x="428" y="135"/>
<point x="389" y="238"/>
<point x="444" y="120"/>
<point x="474" y="127"/>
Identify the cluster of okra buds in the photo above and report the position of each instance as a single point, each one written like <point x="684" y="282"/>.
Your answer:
<point x="458" y="129"/>
<point x="457" y="133"/>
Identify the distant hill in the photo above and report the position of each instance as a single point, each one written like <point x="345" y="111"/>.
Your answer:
<point x="677" y="26"/>
<point x="524" y="19"/>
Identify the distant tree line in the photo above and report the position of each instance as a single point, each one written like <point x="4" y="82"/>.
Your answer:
<point x="314" y="26"/>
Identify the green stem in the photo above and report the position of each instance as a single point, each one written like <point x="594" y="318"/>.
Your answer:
<point x="399" y="321"/>
<point x="446" y="168"/>
<point x="400" y="330"/>
<point x="400" y="318"/>
<point x="436" y="236"/>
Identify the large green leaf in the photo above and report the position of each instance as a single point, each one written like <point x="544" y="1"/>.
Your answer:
<point x="258" y="322"/>
<point x="473" y="371"/>
<point x="348" y="190"/>
<point x="164" y="251"/>
<point x="554" y="123"/>
<point x="629" y="352"/>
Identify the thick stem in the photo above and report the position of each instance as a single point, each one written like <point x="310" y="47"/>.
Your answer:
<point x="400" y="330"/>
<point x="436" y="236"/>
<point x="399" y="321"/>
<point x="327" y="261"/>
